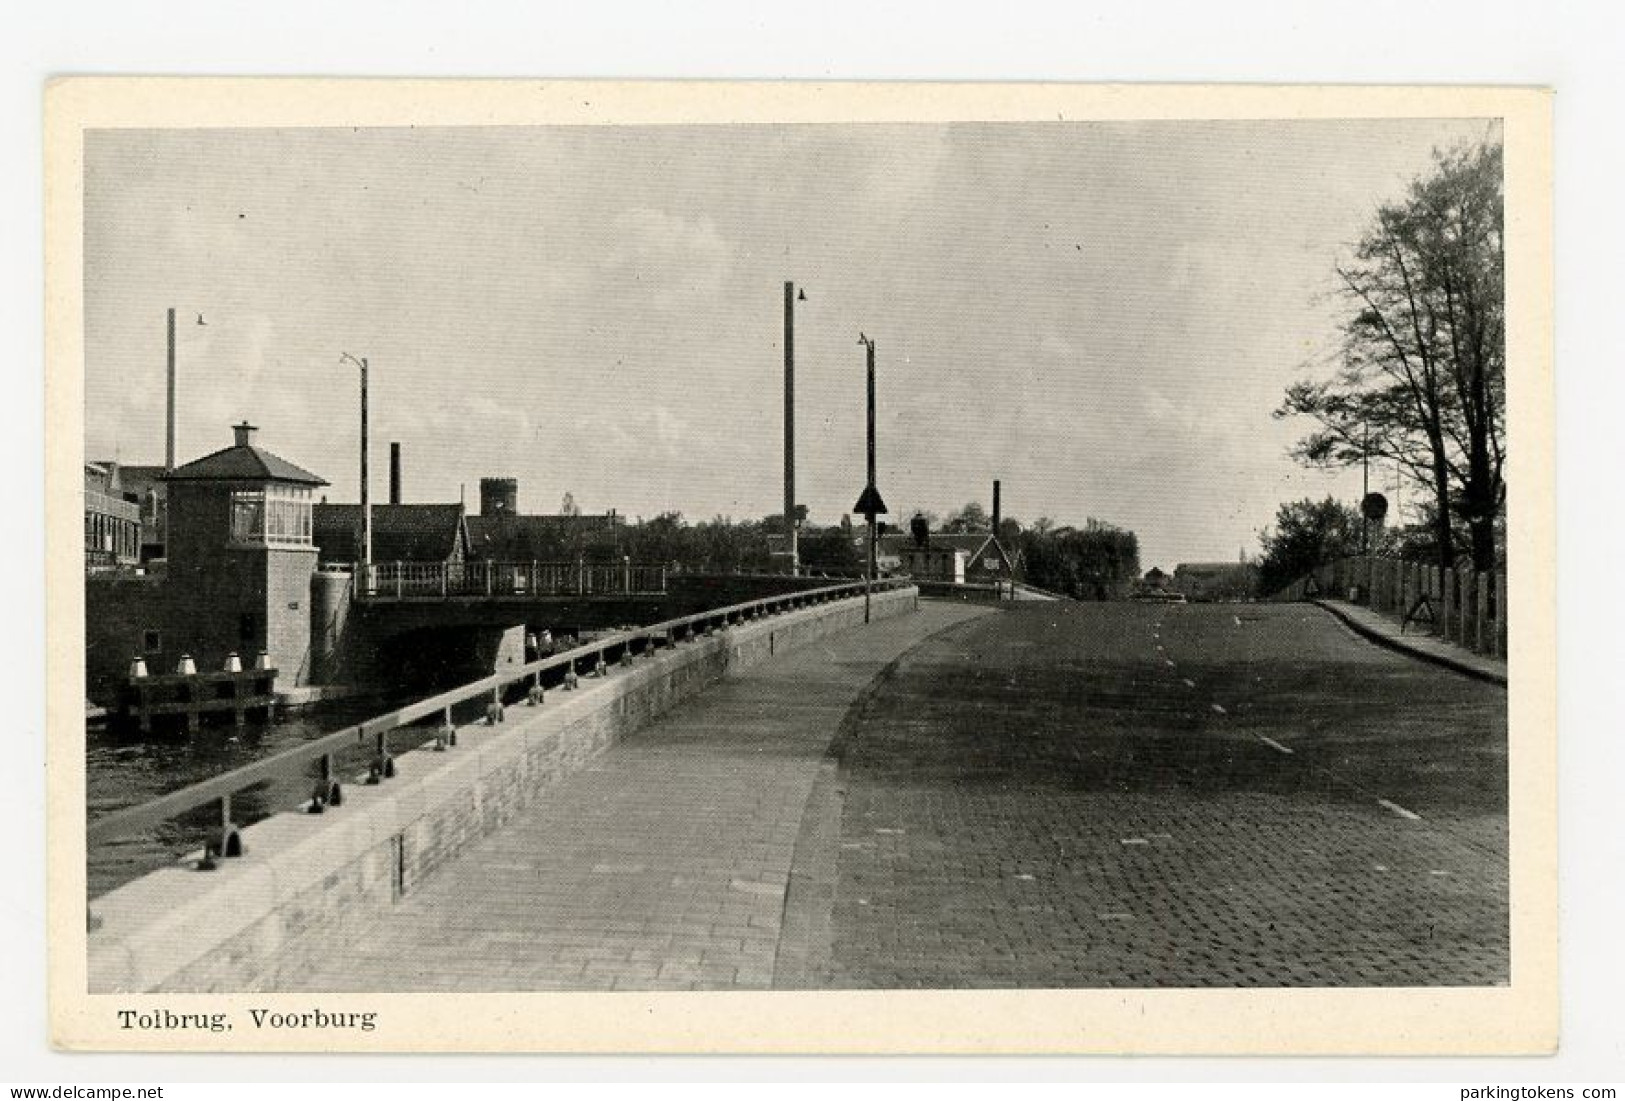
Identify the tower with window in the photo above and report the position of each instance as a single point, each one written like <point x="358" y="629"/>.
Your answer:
<point x="241" y="557"/>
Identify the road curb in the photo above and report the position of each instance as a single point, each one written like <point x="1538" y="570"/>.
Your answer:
<point x="1446" y="661"/>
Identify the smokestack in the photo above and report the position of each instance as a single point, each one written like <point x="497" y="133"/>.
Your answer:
<point x="995" y="506"/>
<point x="169" y="424"/>
<point x="394" y="473"/>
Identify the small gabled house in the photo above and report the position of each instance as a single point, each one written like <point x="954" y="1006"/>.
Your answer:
<point x="974" y="558"/>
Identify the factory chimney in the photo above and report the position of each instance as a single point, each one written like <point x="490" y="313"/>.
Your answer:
<point x="995" y="506"/>
<point x="394" y="473"/>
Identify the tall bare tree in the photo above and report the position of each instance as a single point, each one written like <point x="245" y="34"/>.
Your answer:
<point x="1422" y="377"/>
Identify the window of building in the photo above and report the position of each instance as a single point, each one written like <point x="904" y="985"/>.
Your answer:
<point x="277" y="515"/>
<point x="151" y="641"/>
<point x="248" y="628"/>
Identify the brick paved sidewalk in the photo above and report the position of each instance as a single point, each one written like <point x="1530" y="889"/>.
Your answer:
<point x="1387" y="631"/>
<point x="664" y="865"/>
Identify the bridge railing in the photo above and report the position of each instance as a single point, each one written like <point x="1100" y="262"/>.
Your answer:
<point x="394" y="581"/>
<point x="320" y="757"/>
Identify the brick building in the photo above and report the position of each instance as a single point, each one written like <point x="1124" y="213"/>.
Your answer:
<point x="240" y="558"/>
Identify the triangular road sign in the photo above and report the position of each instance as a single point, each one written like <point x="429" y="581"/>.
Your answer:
<point x="870" y="504"/>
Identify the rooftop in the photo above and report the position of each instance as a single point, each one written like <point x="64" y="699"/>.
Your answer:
<point x="243" y="462"/>
<point x="400" y="533"/>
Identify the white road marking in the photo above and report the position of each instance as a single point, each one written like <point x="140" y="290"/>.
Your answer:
<point x="1237" y="618"/>
<point x="1024" y="877"/>
<point x="1135" y="841"/>
<point x="1436" y="871"/>
<point x="1380" y="867"/>
<point x="1188" y="682"/>
<point x="1273" y="744"/>
<point x="887" y="831"/>
<point x="1168" y="663"/>
<point x="752" y="887"/>
<point x="1399" y="810"/>
<point x="1219" y="709"/>
<point x="1118" y="916"/>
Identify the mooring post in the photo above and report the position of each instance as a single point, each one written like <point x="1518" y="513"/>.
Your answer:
<point x="383" y="767"/>
<point x="323" y="794"/>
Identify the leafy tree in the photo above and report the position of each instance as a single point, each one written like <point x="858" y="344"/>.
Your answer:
<point x="971" y="518"/>
<point x="1306" y="534"/>
<point x="831" y="550"/>
<point x="1098" y="563"/>
<point x="1422" y="379"/>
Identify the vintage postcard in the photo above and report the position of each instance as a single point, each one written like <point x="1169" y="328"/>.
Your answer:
<point x="800" y="568"/>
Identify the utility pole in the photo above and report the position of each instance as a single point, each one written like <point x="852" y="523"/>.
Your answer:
<point x="1365" y="489"/>
<point x="169" y="422"/>
<point x="366" y="502"/>
<point x="870" y="356"/>
<point x="870" y="503"/>
<point x="790" y="424"/>
<point x="1365" y="521"/>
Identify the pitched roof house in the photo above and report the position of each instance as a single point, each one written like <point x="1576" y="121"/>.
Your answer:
<point x="985" y="556"/>
<point x="400" y="533"/>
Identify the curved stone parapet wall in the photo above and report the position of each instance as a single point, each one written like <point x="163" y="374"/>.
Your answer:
<point x="308" y="884"/>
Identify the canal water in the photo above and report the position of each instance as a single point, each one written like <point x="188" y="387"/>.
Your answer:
<point x="124" y="771"/>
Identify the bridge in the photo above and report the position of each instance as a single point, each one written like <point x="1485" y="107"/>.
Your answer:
<point x="796" y="792"/>
<point x="507" y="582"/>
<point x="390" y="623"/>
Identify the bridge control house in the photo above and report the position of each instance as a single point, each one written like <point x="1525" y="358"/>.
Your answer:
<point x="258" y="573"/>
<point x="236" y="579"/>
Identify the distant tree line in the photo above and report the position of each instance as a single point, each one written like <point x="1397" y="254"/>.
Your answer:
<point x="1098" y="561"/>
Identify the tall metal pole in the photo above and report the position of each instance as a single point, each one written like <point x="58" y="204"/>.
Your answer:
<point x="869" y="576"/>
<point x="366" y="503"/>
<point x="1365" y="489"/>
<point x="1365" y="521"/>
<point x="790" y="423"/>
<point x="169" y="421"/>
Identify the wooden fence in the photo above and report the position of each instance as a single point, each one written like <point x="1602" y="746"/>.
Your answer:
<point x="1464" y="606"/>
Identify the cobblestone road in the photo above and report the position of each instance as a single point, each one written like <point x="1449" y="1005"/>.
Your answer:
<point x="1202" y="795"/>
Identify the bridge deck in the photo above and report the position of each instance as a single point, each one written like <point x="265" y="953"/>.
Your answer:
<point x="664" y="865"/>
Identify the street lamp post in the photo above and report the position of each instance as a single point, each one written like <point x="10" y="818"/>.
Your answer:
<point x="870" y="503"/>
<point x="366" y="502"/>
<point x="790" y="424"/>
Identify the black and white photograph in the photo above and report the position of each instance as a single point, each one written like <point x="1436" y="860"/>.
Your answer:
<point x="988" y="554"/>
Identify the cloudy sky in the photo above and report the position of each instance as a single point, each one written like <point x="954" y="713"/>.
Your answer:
<point x="1101" y="315"/>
